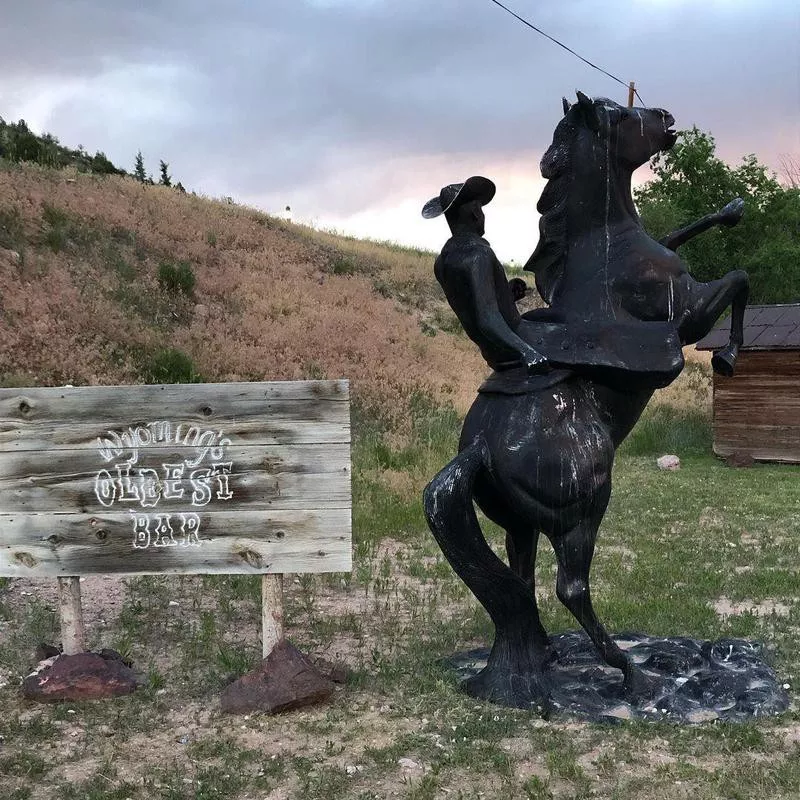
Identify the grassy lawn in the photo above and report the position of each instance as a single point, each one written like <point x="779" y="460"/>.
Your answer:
<point x="706" y="551"/>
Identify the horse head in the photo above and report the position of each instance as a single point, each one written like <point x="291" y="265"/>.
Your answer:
<point x="632" y="136"/>
<point x="596" y="147"/>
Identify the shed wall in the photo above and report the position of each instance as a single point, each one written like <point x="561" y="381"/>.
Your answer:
<point x="757" y="411"/>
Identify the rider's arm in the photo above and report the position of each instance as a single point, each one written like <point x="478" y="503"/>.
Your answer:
<point x="478" y="279"/>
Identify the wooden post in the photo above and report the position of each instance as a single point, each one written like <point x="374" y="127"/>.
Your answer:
<point x="271" y="611"/>
<point x="69" y="608"/>
<point x="631" y="90"/>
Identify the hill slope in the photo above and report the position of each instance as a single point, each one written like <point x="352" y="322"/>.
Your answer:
<point x="81" y="301"/>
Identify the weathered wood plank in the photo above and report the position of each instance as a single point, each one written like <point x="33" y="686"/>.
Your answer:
<point x="258" y="431"/>
<point x="210" y="543"/>
<point x="277" y="477"/>
<point x="757" y="411"/>
<point x="122" y="403"/>
<point x="124" y="417"/>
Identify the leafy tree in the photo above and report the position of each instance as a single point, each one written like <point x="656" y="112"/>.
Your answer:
<point x="102" y="166"/>
<point x="19" y="143"/>
<point x="165" y="179"/>
<point x="691" y="181"/>
<point x="138" y="169"/>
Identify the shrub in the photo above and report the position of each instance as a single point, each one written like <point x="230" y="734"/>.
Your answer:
<point x="62" y="229"/>
<point x="11" y="231"/>
<point x="666" y="429"/>
<point x="170" y="366"/>
<point x="342" y="266"/>
<point x="176" y="278"/>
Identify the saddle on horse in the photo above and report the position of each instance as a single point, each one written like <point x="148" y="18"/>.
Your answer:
<point x="647" y="353"/>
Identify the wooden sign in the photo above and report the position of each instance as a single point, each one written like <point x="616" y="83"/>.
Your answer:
<point x="198" y="478"/>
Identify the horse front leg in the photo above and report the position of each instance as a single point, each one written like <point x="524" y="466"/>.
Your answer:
<point x="704" y="304"/>
<point x="723" y="362"/>
<point x="574" y="551"/>
<point x="726" y="217"/>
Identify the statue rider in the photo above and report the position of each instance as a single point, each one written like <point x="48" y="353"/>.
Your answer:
<point x="543" y="346"/>
<point x="475" y="282"/>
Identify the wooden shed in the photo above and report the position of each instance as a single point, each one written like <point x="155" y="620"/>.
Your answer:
<point x="757" y="411"/>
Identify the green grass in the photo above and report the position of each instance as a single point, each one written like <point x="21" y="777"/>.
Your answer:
<point x="666" y="429"/>
<point x="671" y="545"/>
<point x="177" y="279"/>
<point x="170" y="365"/>
<point x="12" y="233"/>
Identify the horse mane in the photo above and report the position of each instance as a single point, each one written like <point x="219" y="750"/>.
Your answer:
<point x="547" y="261"/>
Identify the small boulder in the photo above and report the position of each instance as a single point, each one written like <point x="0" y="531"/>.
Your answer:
<point x="284" y="681"/>
<point x="83" y="676"/>
<point x="669" y="462"/>
<point x="740" y="460"/>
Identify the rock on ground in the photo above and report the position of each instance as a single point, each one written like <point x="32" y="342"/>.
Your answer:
<point x="84" y="676"/>
<point x="669" y="462"/>
<point x="285" y="680"/>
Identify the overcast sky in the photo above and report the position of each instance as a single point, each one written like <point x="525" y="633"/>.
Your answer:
<point x="355" y="112"/>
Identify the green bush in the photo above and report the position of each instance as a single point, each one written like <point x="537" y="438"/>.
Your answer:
<point x="11" y="230"/>
<point x="342" y="266"/>
<point x="170" y="366"/>
<point x="666" y="429"/>
<point x="62" y="229"/>
<point x="176" y="278"/>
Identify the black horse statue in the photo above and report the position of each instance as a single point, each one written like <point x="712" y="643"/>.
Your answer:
<point x="536" y="450"/>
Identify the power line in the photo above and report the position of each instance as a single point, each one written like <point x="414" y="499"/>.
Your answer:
<point x="561" y="44"/>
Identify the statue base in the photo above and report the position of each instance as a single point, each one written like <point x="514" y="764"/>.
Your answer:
<point x="697" y="680"/>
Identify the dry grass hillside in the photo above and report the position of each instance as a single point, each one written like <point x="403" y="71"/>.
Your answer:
<point x="81" y="301"/>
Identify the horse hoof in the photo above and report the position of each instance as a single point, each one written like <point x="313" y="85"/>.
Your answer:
<point x="639" y="686"/>
<point x="515" y="689"/>
<point x="723" y="362"/>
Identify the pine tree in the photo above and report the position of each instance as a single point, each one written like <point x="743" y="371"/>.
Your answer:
<point x="138" y="170"/>
<point x="165" y="179"/>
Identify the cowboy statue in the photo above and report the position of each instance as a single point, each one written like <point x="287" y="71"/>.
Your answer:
<point x="569" y="381"/>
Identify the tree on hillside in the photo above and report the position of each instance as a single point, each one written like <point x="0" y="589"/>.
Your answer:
<point x="138" y="169"/>
<point x="102" y="166"/>
<point x="691" y="181"/>
<point x="165" y="179"/>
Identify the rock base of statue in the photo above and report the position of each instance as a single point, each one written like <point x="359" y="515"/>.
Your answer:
<point x="696" y="680"/>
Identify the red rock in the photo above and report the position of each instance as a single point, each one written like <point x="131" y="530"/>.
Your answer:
<point x="284" y="681"/>
<point x="740" y="460"/>
<point x="84" y="676"/>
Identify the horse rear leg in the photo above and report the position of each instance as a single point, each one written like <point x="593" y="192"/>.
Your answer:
<point x="704" y="305"/>
<point x="574" y="551"/>
<point x="521" y="547"/>
<point x="513" y="674"/>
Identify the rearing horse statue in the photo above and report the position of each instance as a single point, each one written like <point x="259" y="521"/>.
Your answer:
<point x="536" y="450"/>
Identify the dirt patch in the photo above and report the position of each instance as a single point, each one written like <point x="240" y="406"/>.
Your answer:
<point x="725" y="607"/>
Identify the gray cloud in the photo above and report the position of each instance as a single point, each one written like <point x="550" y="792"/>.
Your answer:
<point x="275" y="99"/>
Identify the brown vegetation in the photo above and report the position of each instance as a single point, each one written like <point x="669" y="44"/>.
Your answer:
<point x="80" y="301"/>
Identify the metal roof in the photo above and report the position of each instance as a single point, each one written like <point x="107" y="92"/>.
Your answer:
<point x="765" y="328"/>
